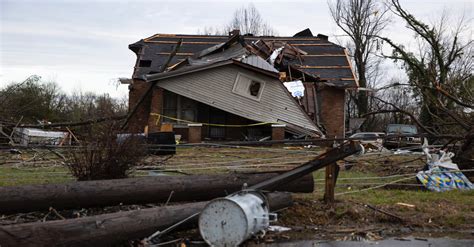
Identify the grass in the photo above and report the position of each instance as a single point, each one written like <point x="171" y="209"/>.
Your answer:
<point x="11" y="176"/>
<point x="390" y="197"/>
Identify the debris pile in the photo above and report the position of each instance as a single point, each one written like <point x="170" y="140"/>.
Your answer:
<point x="107" y="229"/>
<point x="441" y="174"/>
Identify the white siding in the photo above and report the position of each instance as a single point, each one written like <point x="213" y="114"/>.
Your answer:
<point x="214" y="87"/>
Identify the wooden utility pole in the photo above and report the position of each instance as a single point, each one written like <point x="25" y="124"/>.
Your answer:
<point x="114" y="228"/>
<point x="331" y="173"/>
<point x="330" y="183"/>
<point x="141" y="190"/>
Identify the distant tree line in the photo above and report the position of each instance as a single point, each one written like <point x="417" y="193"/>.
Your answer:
<point x="35" y="100"/>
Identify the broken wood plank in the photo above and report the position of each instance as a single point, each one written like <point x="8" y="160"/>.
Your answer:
<point x="135" y="191"/>
<point x="384" y="212"/>
<point x="321" y="67"/>
<point x="112" y="229"/>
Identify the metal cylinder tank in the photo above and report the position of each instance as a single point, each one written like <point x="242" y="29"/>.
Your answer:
<point x="231" y="220"/>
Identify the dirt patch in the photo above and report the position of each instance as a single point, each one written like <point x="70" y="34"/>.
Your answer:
<point x="347" y="219"/>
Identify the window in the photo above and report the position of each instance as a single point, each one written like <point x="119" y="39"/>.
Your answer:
<point x="248" y="86"/>
<point x="179" y="107"/>
<point x="144" y="63"/>
<point x="254" y="88"/>
<point x="170" y="106"/>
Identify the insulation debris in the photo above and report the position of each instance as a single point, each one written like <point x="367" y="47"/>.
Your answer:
<point x="275" y="54"/>
<point x="296" y="88"/>
<point x="441" y="173"/>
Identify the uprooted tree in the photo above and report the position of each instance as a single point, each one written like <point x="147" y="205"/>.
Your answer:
<point x="440" y="79"/>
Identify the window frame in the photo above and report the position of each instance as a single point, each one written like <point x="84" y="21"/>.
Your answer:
<point x="252" y="79"/>
<point x="177" y="110"/>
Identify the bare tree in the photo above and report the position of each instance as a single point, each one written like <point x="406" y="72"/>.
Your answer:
<point x="207" y="30"/>
<point x="247" y="19"/>
<point x="440" y="77"/>
<point x="361" y="20"/>
<point x="440" y="71"/>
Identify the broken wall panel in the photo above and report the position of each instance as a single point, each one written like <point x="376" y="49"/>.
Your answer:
<point x="215" y="87"/>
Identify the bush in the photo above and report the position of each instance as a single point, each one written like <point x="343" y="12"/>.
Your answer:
<point x="102" y="156"/>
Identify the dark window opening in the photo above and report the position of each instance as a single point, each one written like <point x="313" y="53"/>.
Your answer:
<point x="178" y="107"/>
<point x="254" y="88"/>
<point x="144" y="63"/>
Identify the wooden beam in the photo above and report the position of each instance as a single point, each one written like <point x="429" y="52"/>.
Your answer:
<point x="317" y="44"/>
<point x="337" y="79"/>
<point x="184" y="43"/>
<point x="324" y="55"/>
<point x="225" y="37"/>
<point x="330" y="183"/>
<point x="177" y="54"/>
<point x="321" y="67"/>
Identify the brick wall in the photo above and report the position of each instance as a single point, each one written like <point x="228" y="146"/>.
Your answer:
<point x="332" y="111"/>
<point x="156" y="104"/>
<point x="140" y="118"/>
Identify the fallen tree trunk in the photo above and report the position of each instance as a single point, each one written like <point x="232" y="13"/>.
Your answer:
<point x="142" y="190"/>
<point x="114" y="228"/>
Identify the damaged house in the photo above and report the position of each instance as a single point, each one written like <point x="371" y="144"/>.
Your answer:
<point x="239" y="87"/>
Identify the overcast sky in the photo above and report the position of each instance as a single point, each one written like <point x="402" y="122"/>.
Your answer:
<point x="83" y="44"/>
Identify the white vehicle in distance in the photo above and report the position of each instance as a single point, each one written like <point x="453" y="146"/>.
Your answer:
<point x="375" y="138"/>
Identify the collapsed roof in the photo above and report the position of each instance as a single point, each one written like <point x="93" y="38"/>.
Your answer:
<point x="314" y="57"/>
<point x="310" y="59"/>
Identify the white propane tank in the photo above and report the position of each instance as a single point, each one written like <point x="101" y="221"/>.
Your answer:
<point x="231" y="220"/>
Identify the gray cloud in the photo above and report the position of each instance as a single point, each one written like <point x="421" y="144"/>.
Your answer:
<point x="83" y="44"/>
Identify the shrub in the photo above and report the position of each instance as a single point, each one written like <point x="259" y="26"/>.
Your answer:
<point x="102" y="156"/>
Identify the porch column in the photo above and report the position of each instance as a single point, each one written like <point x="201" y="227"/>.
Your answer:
<point x="194" y="133"/>
<point x="278" y="132"/>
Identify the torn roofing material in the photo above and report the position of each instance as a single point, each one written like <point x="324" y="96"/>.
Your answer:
<point x="319" y="57"/>
<point x="225" y="53"/>
<point x="200" y="67"/>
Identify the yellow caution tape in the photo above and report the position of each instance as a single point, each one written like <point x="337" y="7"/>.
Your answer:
<point x="207" y="124"/>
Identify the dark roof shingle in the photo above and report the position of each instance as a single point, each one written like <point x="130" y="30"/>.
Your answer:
<point x="324" y="59"/>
